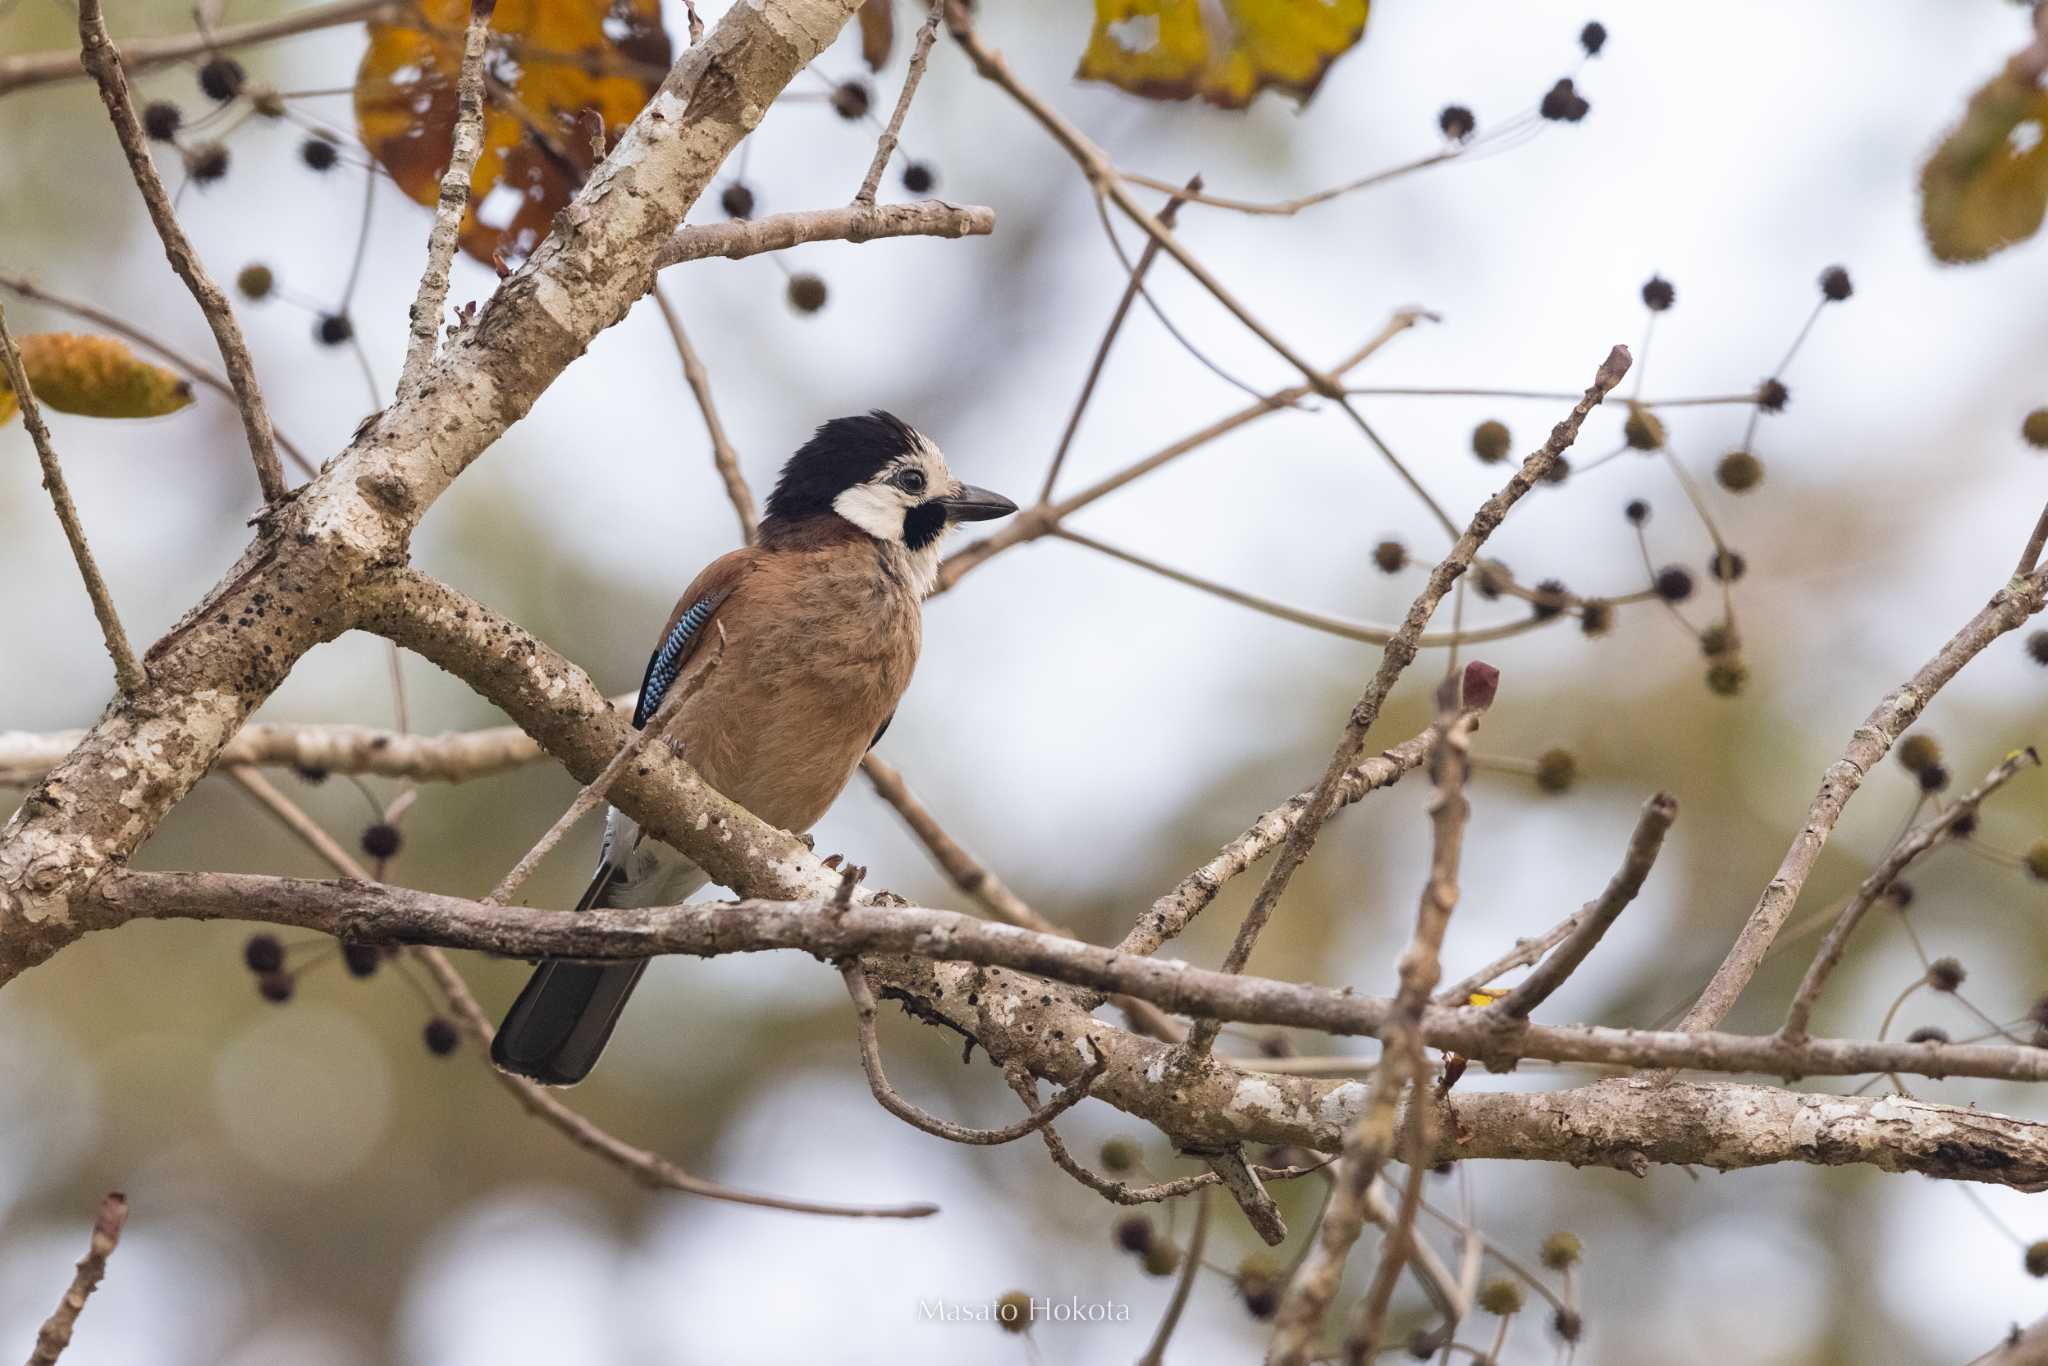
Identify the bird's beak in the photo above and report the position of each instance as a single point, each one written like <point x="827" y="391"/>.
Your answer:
<point x="970" y="504"/>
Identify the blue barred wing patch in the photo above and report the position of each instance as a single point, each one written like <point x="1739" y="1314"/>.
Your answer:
<point x="668" y="660"/>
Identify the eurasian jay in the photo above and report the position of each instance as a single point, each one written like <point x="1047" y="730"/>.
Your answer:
<point x="820" y="622"/>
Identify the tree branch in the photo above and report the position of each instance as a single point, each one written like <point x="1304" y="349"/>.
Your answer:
<point x="890" y="1099"/>
<point x="744" y="237"/>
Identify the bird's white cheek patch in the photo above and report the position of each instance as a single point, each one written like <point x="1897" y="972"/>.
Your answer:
<point x="876" y="511"/>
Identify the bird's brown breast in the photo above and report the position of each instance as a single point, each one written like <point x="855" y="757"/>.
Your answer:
<point x="819" y="646"/>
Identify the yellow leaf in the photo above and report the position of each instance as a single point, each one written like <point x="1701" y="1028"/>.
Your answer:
<point x="554" y="70"/>
<point x="1483" y="998"/>
<point x="1986" y="186"/>
<point x="1226" y="51"/>
<point x="93" y="377"/>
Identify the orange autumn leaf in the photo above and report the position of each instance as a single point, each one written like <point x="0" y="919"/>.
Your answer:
<point x="1225" y="51"/>
<point x="92" y="377"/>
<point x="553" y="70"/>
<point x="877" y="32"/>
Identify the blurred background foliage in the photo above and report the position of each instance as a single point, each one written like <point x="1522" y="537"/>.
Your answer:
<point x="310" y="1185"/>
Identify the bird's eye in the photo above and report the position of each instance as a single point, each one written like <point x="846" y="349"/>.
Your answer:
<point x="911" y="481"/>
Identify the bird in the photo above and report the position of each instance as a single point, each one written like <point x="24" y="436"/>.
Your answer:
<point x="817" y="627"/>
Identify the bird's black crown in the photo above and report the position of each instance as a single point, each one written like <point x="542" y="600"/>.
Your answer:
<point x="841" y="454"/>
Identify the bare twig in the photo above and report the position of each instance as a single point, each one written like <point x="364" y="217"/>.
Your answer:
<point x="1287" y="208"/>
<point x="128" y="675"/>
<point x="1420" y="971"/>
<point x="975" y="878"/>
<point x="723" y="457"/>
<point x="1594" y="920"/>
<point x="141" y="54"/>
<point x="1524" y="953"/>
<point x="199" y="374"/>
<point x="1170" y="914"/>
<point x="1190" y="1265"/>
<point x="2019" y="599"/>
<point x="885" y="146"/>
<point x="104" y="63"/>
<point x="1298" y="1324"/>
<point x="1398" y="654"/>
<point x="969" y="874"/>
<point x="741" y="238"/>
<point x="1316" y="621"/>
<point x="892" y="1100"/>
<point x="106" y="1234"/>
<point x="1915" y="843"/>
<point x="1041" y="521"/>
<point x="453" y="201"/>
<point x="1109" y="333"/>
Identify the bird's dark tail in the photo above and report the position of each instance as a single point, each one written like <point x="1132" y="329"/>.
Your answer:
<point x="564" y="1015"/>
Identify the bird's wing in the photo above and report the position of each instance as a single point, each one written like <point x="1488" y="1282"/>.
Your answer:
<point x="687" y="628"/>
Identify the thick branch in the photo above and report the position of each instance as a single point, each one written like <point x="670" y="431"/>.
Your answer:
<point x="383" y="914"/>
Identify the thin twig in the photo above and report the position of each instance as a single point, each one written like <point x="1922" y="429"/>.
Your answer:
<point x="1191" y="1262"/>
<point x="1287" y="208"/>
<point x="723" y="457"/>
<point x="128" y="674"/>
<point x="1420" y="971"/>
<point x="1399" y="653"/>
<point x="2017" y="600"/>
<point x="1171" y="914"/>
<point x="453" y="201"/>
<point x="975" y="878"/>
<point x="104" y="63"/>
<point x="1041" y="521"/>
<point x="1109" y="333"/>
<point x="1315" y="621"/>
<point x="885" y="146"/>
<point x="892" y="1100"/>
<point x="1598" y="915"/>
<point x="106" y="1234"/>
<point x="1909" y="848"/>
<point x="141" y="54"/>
